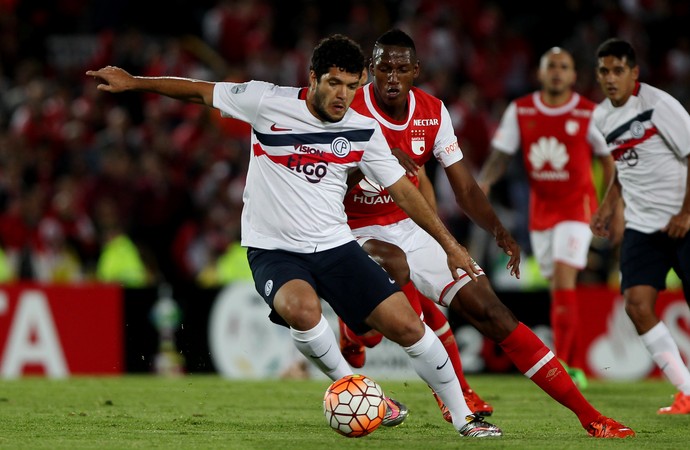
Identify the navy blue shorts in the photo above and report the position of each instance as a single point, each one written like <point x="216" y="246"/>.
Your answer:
<point x="346" y="277"/>
<point x="647" y="258"/>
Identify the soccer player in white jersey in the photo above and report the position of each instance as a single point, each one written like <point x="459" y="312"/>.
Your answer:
<point x="419" y="125"/>
<point x="293" y="222"/>
<point x="553" y="127"/>
<point x="648" y="134"/>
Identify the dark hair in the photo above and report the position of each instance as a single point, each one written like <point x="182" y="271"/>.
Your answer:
<point x="338" y="51"/>
<point x="618" y="48"/>
<point x="397" y="38"/>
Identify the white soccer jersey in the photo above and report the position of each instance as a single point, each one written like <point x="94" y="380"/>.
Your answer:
<point x="649" y="137"/>
<point x="293" y="198"/>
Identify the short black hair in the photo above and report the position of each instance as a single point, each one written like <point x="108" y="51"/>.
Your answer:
<point x="618" y="48"/>
<point x="338" y="51"/>
<point x="397" y="38"/>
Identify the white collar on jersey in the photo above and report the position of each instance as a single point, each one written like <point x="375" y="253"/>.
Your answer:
<point x="558" y="110"/>
<point x="371" y="105"/>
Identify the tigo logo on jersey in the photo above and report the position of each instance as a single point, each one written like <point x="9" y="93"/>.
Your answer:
<point x="313" y="170"/>
<point x="341" y="147"/>
<point x="552" y="151"/>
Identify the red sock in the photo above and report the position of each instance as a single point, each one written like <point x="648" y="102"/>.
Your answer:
<point x="564" y="323"/>
<point x="413" y="296"/>
<point x="437" y="321"/>
<point x="373" y="338"/>
<point x="370" y="339"/>
<point x="538" y="363"/>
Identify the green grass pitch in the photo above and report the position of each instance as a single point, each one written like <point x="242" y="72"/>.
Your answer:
<point x="209" y="412"/>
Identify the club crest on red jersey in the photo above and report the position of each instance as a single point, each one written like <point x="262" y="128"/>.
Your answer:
<point x="418" y="142"/>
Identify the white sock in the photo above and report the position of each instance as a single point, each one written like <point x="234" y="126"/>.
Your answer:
<point x="320" y="346"/>
<point x="431" y="362"/>
<point x="665" y="354"/>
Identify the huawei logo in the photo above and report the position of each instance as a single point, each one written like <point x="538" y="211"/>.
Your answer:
<point x="369" y="188"/>
<point x="548" y="149"/>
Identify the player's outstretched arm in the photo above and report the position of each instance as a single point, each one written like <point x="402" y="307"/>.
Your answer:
<point x="408" y="197"/>
<point x="116" y="80"/>
<point x="476" y="205"/>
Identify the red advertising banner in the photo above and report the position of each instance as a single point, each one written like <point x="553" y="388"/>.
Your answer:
<point x="608" y="345"/>
<point x="60" y="330"/>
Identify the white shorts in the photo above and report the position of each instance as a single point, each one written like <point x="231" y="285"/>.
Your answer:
<point x="427" y="260"/>
<point x="568" y="242"/>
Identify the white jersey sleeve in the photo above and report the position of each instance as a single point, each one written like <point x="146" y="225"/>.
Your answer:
<point x="597" y="140"/>
<point x="507" y="136"/>
<point x="446" y="148"/>
<point x="378" y="162"/>
<point x="673" y="123"/>
<point x="240" y="100"/>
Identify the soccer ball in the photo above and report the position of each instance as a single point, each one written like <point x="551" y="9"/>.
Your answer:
<point x="354" y="405"/>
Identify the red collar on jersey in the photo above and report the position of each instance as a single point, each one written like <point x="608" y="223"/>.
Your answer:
<point x="636" y="91"/>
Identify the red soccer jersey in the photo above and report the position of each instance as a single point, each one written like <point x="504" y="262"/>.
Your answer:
<point x="426" y="131"/>
<point x="558" y="144"/>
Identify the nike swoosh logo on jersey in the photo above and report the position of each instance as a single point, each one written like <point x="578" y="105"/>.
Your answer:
<point x="321" y="355"/>
<point x="391" y="281"/>
<point x="275" y="127"/>
<point x="443" y="365"/>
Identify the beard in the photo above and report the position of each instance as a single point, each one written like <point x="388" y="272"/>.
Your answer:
<point x="319" y="107"/>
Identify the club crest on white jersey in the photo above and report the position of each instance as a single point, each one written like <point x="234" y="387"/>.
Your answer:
<point x="341" y="147"/>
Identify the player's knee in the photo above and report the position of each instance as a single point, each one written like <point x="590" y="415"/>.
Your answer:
<point x="391" y="258"/>
<point x="299" y="312"/>
<point x="638" y="309"/>
<point x="401" y="326"/>
<point x="408" y="332"/>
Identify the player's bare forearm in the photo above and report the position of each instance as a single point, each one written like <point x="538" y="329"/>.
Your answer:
<point x="606" y="212"/>
<point x="116" y="80"/>
<point x="406" y="161"/>
<point x="427" y="188"/>
<point x="493" y="169"/>
<point x="476" y="205"/>
<point x="608" y="168"/>
<point x="410" y="200"/>
<point x="679" y="225"/>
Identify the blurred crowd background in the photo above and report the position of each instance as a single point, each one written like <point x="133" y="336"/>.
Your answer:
<point x="140" y="189"/>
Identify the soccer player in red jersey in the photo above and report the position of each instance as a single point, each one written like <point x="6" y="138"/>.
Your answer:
<point x="554" y="129"/>
<point x="418" y="124"/>
<point x="300" y="248"/>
